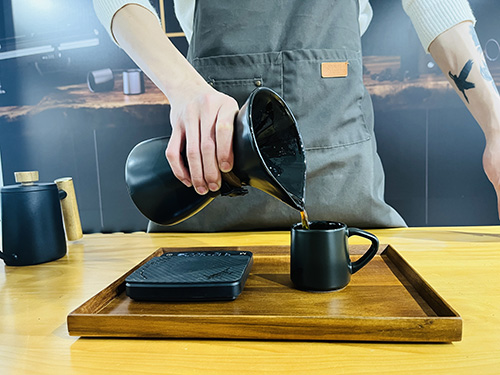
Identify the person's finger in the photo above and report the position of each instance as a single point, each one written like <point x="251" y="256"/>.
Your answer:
<point x="194" y="156"/>
<point x="224" y="136"/>
<point x="173" y="154"/>
<point x="211" y="171"/>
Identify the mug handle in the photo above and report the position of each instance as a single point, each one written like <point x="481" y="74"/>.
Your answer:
<point x="369" y="254"/>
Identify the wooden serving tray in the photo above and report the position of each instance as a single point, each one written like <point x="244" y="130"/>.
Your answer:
<point x="385" y="301"/>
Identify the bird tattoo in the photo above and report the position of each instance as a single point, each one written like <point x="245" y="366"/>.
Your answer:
<point x="461" y="80"/>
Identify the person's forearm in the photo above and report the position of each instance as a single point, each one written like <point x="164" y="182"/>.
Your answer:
<point x="139" y="34"/>
<point x="201" y="117"/>
<point x="459" y="55"/>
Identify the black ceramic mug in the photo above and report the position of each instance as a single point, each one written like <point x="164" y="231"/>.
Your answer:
<point x="319" y="258"/>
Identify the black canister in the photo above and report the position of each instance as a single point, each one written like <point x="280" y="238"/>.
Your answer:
<point x="32" y="226"/>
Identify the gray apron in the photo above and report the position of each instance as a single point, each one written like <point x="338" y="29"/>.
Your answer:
<point x="240" y="45"/>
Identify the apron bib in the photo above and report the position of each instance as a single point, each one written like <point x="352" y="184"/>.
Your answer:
<point x="309" y="52"/>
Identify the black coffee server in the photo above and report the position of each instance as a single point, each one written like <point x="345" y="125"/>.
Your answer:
<point x="32" y="224"/>
<point x="268" y="155"/>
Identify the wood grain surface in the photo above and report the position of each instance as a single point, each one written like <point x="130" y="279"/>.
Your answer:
<point x="387" y="301"/>
<point x="435" y="88"/>
<point x="460" y="263"/>
<point x="78" y="96"/>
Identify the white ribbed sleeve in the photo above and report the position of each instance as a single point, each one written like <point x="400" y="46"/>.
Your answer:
<point x="106" y="9"/>
<point x="432" y="17"/>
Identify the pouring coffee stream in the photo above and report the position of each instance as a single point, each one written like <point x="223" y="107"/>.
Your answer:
<point x="304" y="219"/>
<point x="268" y="155"/>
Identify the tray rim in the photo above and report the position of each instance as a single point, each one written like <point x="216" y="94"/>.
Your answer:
<point x="446" y="326"/>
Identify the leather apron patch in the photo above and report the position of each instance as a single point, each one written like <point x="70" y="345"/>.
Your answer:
<point x="334" y="69"/>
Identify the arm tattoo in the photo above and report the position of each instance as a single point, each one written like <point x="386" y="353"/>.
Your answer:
<point x="475" y="39"/>
<point x="485" y="72"/>
<point x="461" y="80"/>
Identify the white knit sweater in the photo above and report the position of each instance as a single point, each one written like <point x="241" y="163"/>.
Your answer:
<point x="430" y="17"/>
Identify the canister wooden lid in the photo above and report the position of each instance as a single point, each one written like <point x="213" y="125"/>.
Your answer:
<point x="27" y="177"/>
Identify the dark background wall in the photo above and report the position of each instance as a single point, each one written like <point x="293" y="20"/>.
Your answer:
<point x="430" y="146"/>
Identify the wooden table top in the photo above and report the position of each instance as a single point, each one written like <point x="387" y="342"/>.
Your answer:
<point x="461" y="263"/>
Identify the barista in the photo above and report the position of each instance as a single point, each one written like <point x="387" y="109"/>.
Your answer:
<point x="310" y="53"/>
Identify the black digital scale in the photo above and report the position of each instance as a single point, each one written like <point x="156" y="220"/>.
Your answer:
<point x="191" y="276"/>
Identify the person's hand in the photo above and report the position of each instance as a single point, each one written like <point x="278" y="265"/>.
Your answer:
<point x="491" y="163"/>
<point x="202" y="126"/>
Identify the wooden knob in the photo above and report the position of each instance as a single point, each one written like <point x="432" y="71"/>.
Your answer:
<point x="70" y="211"/>
<point x="27" y="177"/>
